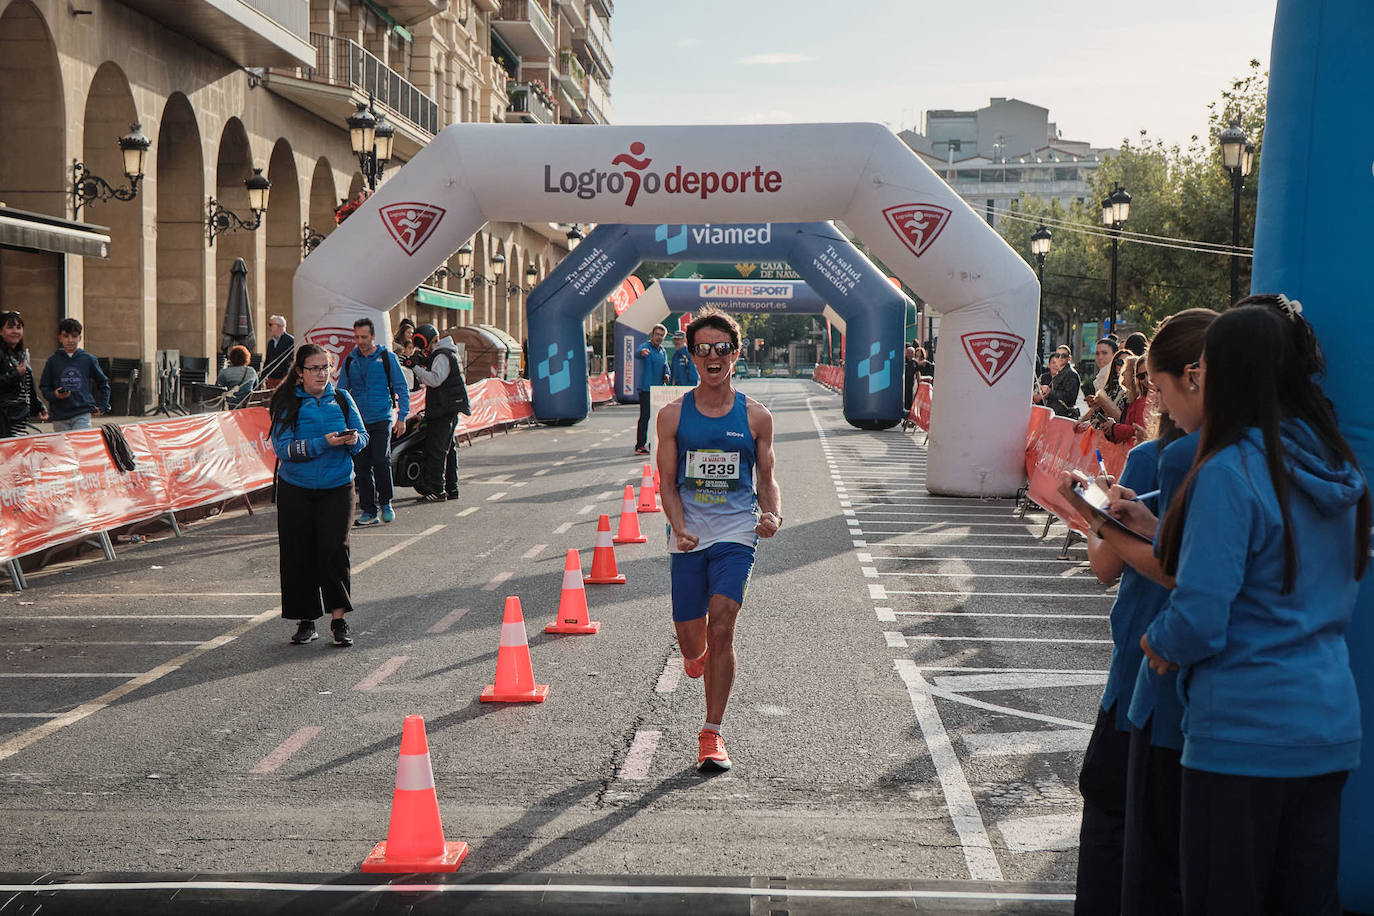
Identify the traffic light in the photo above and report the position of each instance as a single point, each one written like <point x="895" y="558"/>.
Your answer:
<point x="758" y="343"/>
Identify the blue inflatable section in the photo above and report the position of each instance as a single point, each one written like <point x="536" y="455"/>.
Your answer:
<point x="839" y="273"/>
<point x="1313" y="243"/>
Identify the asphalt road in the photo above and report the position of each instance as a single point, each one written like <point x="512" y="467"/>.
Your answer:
<point x="918" y="677"/>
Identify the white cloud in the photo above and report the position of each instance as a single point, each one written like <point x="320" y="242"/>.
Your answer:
<point x="776" y="57"/>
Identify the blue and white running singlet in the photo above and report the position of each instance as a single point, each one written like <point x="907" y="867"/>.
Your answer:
<point x="715" y="475"/>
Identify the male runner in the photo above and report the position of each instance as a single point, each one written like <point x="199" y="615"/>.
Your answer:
<point x="715" y="457"/>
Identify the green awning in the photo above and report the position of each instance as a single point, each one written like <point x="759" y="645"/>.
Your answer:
<point x="428" y="295"/>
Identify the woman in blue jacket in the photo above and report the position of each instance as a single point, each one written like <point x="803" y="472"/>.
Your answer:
<point x="315" y="431"/>
<point x="1266" y="542"/>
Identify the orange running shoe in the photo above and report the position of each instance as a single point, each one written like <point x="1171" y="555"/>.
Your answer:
<point x="711" y="754"/>
<point x="694" y="667"/>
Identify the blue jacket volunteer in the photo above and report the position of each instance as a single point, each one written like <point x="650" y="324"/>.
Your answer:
<point x="315" y="431"/>
<point x="651" y="368"/>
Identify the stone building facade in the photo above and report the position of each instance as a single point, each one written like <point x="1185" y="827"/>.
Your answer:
<point x="225" y="87"/>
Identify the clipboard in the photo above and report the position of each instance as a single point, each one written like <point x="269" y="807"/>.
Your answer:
<point x="1097" y="501"/>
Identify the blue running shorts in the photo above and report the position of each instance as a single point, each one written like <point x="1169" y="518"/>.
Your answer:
<point x="720" y="569"/>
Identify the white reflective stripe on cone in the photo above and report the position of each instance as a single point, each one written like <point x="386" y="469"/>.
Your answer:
<point x="572" y="579"/>
<point x="603" y="538"/>
<point x="513" y="634"/>
<point x="628" y="505"/>
<point x="413" y="773"/>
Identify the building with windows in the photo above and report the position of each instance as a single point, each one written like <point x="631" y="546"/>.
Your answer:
<point x="223" y="87"/>
<point x="993" y="155"/>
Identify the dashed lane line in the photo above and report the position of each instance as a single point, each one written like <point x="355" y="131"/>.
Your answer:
<point x="671" y="676"/>
<point x="496" y="581"/>
<point x="533" y="552"/>
<point x="381" y="673"/>
<point x="563" y="528"/>
<point x="902" y="640"/>
<point x="283" y="751"/>
<point x="640" y="757"/>
<point x="22" y="740"/>
<point x="496" y="496"/>
<point x="448" y="620"/>
<point x="586" y="509"/>
<point x="466" y="512"/>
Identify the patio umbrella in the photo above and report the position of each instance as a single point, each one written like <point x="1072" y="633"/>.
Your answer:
<point x="238" y="314"/>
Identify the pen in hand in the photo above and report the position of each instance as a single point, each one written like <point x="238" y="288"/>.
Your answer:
<point x="1101" y="465"/>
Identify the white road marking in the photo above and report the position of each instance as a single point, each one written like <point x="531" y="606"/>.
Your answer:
<point x="885" y="614"/>
<point x="585" y="509"/>
<point x="1042" y="833"/>
<point x="627" y="890"/>
<point x="533" y="552"/>
<point x="980" y="704"/>
<point x="448" y="620"/>
<point x="1016" y="744"/>
<point x="563" y="528"/>
<point x="466" y="512"/>
<point x="640" y="756"/>
<point x="849" y="513"/>
<point x="869" y="572"/>
<point x="62" y="643"/>
<point x="1035" y="639"/>
<point x="894" y="640"/>
<point x="495" y="496"/>
<point x="963" y="810"/>
<point x="119" y="594"/>
<point x="29" y="715"/>
<point x="1066" y="574"/>
<point x="496" y="581"/>
<point x="383" y="671"/>
<point x="864" y="557"/>
<point x="1056" y="596"/>
<point x="1019" y="680"/>
<point x="68" y="674"/>
<point x="41" y="616"/>
<point x="877" y="592"/>
<point x="300" y="739"/>
<point x="541" y="472"/>
<point x="861" y="543"/>
<point x="607" y="495"/>
<point x="671" y="676"/>
<point x="956" y="544"/>
<point x="1003" y="614"/>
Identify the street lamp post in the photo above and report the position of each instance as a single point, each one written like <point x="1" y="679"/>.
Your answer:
<point x="1237" y="156"/>
<point x="1116" y="209"/>
<point x="498" y="269"/>
<point x="464" y="262"/>
<point x="371" y="138"/>
<point x="221" y="220"/>
<point x="87" y="187"/>
<point x="1040" y="246"/>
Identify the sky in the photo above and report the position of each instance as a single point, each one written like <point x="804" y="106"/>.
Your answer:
<point x="1105" y="69"/>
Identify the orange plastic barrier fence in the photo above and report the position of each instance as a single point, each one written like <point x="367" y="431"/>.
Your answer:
<point x="829" y="376"/>
<point x="1054" y="446"/>
<point x="920" y="405"/>
<point x="494" y="403"/>
<point x="61" y="487"/>
<point x="602" y="388"/>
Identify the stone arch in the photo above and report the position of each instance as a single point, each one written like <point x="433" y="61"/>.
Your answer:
<point x="113" y="286"/>
<point x="283" y="239"/>
<point x="233" y="165"/>
<point x="324" y="197"/>
<point x="34" y="121"/>
<point x="179" y="161"/>
<point x="481" y="244"/>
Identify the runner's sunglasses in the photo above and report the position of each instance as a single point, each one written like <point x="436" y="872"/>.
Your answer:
<point x="722" y="348"/>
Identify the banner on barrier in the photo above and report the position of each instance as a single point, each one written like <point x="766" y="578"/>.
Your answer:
<point x="1055" y="446"/>
<point x="601" y="388"/>
<point x="921" y="405"/>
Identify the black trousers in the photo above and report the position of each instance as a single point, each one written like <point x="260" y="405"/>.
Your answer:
<point x="1250" y="844"/>
<point x="439" y="457"/>
<point x="1102" y="781"/>
<point x="312" y="538"/>
<point x="372" y="468"/>
<point x="1149" y="866"/>
<point x="642" y="430"/>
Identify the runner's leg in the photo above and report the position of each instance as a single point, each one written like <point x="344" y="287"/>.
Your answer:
<point x="720" y="663"/>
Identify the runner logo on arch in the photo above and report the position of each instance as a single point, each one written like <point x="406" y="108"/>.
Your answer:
<point x="410" y="223"/>
<point x="917" y="225"/>
<point x="992" y="353"/>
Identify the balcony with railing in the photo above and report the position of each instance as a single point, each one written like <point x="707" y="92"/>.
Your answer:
<point x="525" y="26"/>
<point x="574" y="12"/>
<point x="251" y="33"/>
<point x="529" y="104"/>
<point x="598" y="107"/>
<point x="596" y="44"/>
<point x="344" y="62"/>
<point x="605" y="7"/>
<point x="572" y="79"/>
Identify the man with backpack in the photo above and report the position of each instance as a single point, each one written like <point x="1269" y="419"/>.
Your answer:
<point x="436" y="366"/>
<point x="373" y="376"/>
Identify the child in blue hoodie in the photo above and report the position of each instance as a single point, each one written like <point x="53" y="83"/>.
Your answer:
<point x="72" y="382"/>
<point x="315" y="432"/>
<point x="1266" y="545"/>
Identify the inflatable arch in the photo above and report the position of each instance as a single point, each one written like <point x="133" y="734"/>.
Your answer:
<point x="817" y="251"/>
<point x="859" y="173"/>
<point x="1312" y="243"/>
<point x="789" y="297"/>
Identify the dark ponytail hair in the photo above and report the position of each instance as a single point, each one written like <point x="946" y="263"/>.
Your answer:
<point x="1262" y="368"/>
<point x="285" y="406"/>
<point x="1179" y="340"/>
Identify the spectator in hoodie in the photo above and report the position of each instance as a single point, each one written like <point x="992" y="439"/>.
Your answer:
<point x="1267" y="542"/>
<point x="19" y="402"/>
<point x="437" y="367"/>
<point x="372" y="375"/>
<point x="681" y="370"/>
<point x="315" y="431"/>
<point x="239" y="377"/>
<point x="72" y="382"/>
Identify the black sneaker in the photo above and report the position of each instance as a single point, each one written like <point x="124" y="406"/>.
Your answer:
<point x="305" y="632"/>
<point x="339" y="630"/>
<point x="450" y="494"/>
<point x="432" y="497"/>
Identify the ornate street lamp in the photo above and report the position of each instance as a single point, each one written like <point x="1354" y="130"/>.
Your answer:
<point x="87" y="187"/>
<point x="575" y="237"/>
<point x="1116" y="209"/>
<point x="222" y="220"/>
<point x="531" y="277"/>
<point x="372" y="139"/>
<point x="1238" y="157"/>
<point x="498" y="269"/>
<point x="1040" y="246"/>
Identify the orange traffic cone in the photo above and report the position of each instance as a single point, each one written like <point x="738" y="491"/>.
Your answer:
<point x="514" y="674"/>
<point x="648" y="493"/>
<point x="658" y="486"/>
<point x="572" y="603"/>
<point x="604" y="571"/>
<point x="629" y="532"/>
<point x="415" y="840"/>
